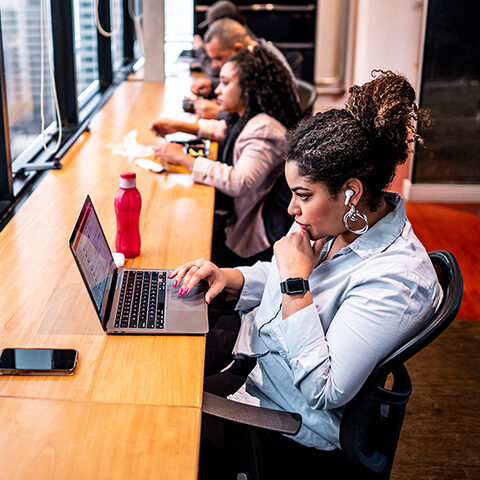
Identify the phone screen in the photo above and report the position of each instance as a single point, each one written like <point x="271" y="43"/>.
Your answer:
<point x="38" y="360"/>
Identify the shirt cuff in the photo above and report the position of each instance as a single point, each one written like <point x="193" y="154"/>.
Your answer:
<point x="254" y="285"/>
<point x="203" y="128"/>
<point x="210" y="128"/>
<point x="200" y="169"/>
<point x="302" y="335"/>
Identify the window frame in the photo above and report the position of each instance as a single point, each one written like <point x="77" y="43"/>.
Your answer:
<point x="19" y="178"/>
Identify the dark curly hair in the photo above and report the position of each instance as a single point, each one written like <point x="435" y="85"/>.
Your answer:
<point x="367" y="139"/>
<point x="267" y="85"/>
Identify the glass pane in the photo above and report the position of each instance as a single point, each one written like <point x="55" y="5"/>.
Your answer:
<point x="86" y="53"/>
<point x="451" y="91"/>
<point x="135" y="13"/>
<point x="21" y="31"/>
<point x="116" y="15"/>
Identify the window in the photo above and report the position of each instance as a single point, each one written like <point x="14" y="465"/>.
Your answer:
<point x="450" y="89"/>
<point x="86" y="53"/>
<point x="82" y="62"/>
<point x="135" y="14"/>
<point x="117" y="34"/>
<point x="21" y="38"/>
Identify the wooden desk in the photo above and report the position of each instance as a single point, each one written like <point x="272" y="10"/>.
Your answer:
<point x="134" y="405"/>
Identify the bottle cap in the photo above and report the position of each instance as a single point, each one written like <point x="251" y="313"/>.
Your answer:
<point x="128" y="180"/>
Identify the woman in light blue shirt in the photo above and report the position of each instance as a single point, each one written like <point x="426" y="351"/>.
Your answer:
<point x="348" y="284"/>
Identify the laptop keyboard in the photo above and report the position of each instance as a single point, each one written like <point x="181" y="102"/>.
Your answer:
<point x="141" y="302"/>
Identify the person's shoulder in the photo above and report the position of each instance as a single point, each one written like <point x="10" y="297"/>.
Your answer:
<point x="405" y="261"/>
<point x="264" y="125"/>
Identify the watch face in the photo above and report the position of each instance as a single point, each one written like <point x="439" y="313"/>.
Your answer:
<point x="295" y="285"/>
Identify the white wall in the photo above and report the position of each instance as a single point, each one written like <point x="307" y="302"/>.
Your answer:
<point x="382" y="34"/>
<point x="388" y="36"/>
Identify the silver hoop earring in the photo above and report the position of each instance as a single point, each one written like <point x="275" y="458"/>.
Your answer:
<point x="353" y="214"/>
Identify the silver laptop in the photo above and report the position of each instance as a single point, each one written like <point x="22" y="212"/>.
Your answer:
<point x="129" y="300"/>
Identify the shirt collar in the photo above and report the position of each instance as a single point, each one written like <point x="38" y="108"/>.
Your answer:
<point x="384" y="232"/>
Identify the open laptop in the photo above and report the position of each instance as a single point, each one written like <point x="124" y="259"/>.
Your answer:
<point x="129" y="300"/>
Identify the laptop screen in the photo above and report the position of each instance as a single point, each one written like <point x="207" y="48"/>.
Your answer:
<point x="93" y="256"/>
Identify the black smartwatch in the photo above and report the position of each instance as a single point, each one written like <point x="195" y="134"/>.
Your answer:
<point x="291" y="286"/>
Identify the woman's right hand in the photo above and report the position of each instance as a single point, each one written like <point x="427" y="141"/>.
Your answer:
<point x="295" y="256"/>
<point x="163" y="126"/>
<point x="190" y="273"/>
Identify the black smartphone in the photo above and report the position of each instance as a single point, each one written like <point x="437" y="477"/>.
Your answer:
<point x="187" y="105"/>
<point x="38" y="361"/>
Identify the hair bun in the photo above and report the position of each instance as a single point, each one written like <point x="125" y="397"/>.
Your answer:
<point x="384" y="107"/>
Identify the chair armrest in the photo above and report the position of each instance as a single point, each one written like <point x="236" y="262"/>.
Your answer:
<point x="275" y="420"/>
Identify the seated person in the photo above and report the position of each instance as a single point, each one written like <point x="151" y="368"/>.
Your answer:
<point x="222" y="9"/>
<point x="251" y="156"/>
<point x="371" y="285"/>
<point x="223" y="40"/>
<point x="216" y="11"/>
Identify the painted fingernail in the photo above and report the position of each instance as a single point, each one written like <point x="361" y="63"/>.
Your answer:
<point x="175" y="284"/>
<point x="180" y="291"/>
<point x="186" y="290"/>
<point x="209" y="299"/>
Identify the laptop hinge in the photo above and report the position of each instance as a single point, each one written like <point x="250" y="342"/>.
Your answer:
<point x="111" y="294"/>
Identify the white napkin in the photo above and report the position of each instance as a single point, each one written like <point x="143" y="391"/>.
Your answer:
<point x="132" y="149"/>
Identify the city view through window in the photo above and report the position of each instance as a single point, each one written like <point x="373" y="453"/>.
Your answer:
<point x="21" y="33"/>
<point x="22" y="40"/>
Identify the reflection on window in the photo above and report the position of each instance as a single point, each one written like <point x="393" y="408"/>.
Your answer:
<point x="116" y="15"/>
<point x="135" y="13"/>
<point x="22" y="52"/>
<point x="86" y="53"/>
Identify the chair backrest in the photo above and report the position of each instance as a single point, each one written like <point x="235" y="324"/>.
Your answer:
<point x="295" y="60"/>
<point x="372" y="420"/>
<point x="276" y="218"/>
<point x="307" y="94"/>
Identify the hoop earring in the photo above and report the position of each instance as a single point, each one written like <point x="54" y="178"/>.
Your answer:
<point x="353" y="215"/>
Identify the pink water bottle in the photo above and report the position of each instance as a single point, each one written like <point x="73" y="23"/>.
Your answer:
<point x="128" y="203"/>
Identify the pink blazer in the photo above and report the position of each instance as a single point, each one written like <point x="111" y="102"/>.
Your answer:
<point x="257" y="162"/>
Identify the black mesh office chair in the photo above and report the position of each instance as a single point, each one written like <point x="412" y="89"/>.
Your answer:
<point x="295" y="60"/>
<point x="276" y="219"/>
<point x="307" y="94"/>
<point x="372" y="420"/>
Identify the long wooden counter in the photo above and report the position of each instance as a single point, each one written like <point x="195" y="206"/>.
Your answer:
<point x="133" y="407"/>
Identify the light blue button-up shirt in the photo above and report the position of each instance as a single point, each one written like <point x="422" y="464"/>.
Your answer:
<point x="369" y="298"/>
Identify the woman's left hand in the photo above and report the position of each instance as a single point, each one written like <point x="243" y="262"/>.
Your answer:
<point x="295" y="256"/>
<point x="173" y="153"/>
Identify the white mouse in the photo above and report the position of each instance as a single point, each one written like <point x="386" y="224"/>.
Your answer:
<point x="119" y="259"/>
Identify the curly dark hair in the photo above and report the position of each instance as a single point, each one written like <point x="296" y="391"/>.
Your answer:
<point x="267" y="85"/>
<point x="367" y="139"/>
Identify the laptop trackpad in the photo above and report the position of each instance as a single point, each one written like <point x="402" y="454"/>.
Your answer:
<point x="186" y="313"/>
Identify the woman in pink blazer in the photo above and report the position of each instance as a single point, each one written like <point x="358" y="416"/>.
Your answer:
<point x="258" y="93"/>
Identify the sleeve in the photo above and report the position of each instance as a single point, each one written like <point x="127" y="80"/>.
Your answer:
<point x="212" y="129"/>
<point x="254" y="286"/>
<point x="257" y="156"/>
<point x="330" y="367"/>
